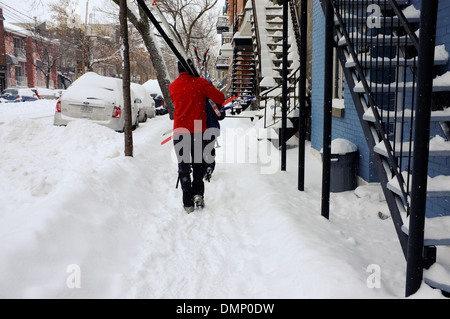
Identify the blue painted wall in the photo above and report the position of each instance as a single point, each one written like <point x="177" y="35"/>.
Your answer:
<point x="438" y="165"/>
<point x="349" y="126"/>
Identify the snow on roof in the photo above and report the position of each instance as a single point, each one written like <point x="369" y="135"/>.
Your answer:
<point x="9" y="27"/>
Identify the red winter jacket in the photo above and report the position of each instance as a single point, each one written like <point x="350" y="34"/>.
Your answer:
<point x="188" y="93"/>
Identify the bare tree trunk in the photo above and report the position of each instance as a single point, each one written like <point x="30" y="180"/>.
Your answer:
<point x="128" y="131"/>
<point x="157" y="60"/>
<point x="142" y="24"/>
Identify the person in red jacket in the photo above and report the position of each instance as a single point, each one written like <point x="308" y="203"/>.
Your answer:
<point x="188" y="94"/>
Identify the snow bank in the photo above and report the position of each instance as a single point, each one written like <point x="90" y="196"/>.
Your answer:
<point x="80" y="220"/>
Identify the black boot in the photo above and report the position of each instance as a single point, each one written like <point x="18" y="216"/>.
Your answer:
<point x="188" y="202"/>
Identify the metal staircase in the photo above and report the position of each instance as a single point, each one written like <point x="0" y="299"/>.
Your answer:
<point x="295" y="23"/>
<point x="242" y="79"/>
<point x="243" y="70"/>
<point x="269" y="27"/>
<point x="378" y="47"/>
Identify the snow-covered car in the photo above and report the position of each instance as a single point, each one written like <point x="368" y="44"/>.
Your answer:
<point x="159" y="100"/>
<point x="44" y="93"/>
<point x="144" y="101"/>
<point x="96" y="98"/>
<point x="161" y="108"/>
<point x="152" y="86"/>
<point x="18" y="95"/>
<point x="59" y="93"/>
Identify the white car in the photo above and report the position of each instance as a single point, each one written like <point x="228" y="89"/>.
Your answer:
<point x="18" y="95"/>
<point x="144" y="101"/>
<point x="59" y="93"/>
<point x="96" y="98"/>
<point x="44" y="93"/>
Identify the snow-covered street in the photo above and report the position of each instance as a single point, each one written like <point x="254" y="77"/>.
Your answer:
<point x="78" y="219"/>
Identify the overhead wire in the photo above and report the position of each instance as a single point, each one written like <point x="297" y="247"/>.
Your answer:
<point x="15" y="15"/>
<point x="16" y="11"/>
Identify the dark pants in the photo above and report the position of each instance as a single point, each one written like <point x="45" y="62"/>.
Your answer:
<point x="210" y="153"/>
<point x="210" y="137"/>
<point x="189" y="150"/>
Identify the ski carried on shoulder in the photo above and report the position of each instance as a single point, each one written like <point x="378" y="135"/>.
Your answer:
<point x="229" y="100"/>
<point x="168" y="36"/>
<point x="167" y="140"/>
<point x="214" y="107"/>
<point x="172" y="41"/>
<point x="237" y="103"/>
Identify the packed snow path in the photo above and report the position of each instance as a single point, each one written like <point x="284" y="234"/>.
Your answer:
<point x="80" y="220"/>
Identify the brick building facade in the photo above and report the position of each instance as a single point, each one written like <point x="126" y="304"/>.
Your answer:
<point x="19" y="62"/>
<point x="2" y="54"/>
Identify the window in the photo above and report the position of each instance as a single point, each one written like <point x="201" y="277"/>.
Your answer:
<point x="17" y="43"/>
<point x="18" y="71"/>
<point x="338" y="78"/>
<point x="18" y="48"/>
<point x="338" y="87"/>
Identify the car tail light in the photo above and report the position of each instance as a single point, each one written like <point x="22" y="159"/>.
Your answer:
<point x="17" y="97"/>
<point x="117" y="112"/>
<point x="58" y="106"/>
<point x="162" y="103"/>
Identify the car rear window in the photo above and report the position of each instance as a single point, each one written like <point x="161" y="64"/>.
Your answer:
<point x="10" y="91"/>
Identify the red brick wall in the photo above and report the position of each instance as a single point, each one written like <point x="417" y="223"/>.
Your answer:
<point x="31" y="69"/>
<point x="54" y="76"/>
<point x="9" y="49"/>
<point x="9" y="44"/>
<point x="240" y="5"/>
<point x="2" y="42"/>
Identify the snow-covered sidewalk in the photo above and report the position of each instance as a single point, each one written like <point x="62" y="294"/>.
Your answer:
<point x="80" y="220"/>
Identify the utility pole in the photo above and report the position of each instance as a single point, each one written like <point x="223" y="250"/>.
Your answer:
<point x="327" y="109"/>
<point x="302" y="94"/>
<point x="283" y="138"/>
<point x="83" y="67"/>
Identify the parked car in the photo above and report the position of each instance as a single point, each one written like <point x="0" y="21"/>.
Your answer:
<point x="144" y="101"/>
<point x="152" y="86"/>
<point x="18" y="95"/>
<point x="159" y="100"/>
<point x="160" y="106"/>
<point x="59" y="93"/>
<point x="96" y="98"/>
<point x="44" y="93"/>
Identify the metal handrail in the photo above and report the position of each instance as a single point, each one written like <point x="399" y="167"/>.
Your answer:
<point x="257" y="35"/>
<point x="371" y="96"/>
<point x="265" y="94"/>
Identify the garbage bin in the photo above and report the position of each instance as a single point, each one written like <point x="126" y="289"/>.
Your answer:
<point x="344" y="164"/>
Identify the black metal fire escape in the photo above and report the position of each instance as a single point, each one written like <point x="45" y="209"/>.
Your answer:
<point x="243" y="72"/>
<point x="386" y="71"/>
